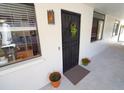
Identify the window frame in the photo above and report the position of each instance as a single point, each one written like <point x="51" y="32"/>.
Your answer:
<point x="37" y="38"/>
<point x="97" y="27"/>
<point x="116" y="28"/>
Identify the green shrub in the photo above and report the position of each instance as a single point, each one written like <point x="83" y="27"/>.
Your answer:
<point x="85" y="61"/>
<point x="55" y="76"/>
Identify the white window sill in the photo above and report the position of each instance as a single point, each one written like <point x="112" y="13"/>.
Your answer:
<point x="17" y="66"/>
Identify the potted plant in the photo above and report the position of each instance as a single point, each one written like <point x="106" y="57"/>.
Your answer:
<point x="85" y="61"/>
<point x="55" y="79"/>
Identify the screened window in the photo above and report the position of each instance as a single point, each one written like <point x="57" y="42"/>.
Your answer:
<point x="18" y="33"/>
<point x="97" y="26"/>
<point x="121" y="34"/>
<point x="115" y="28"/>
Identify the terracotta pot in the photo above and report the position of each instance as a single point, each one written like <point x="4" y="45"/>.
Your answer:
<point x="55" y="79"/>
<point x="55" y="84"/>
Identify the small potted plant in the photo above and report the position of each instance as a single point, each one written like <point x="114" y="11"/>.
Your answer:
<point x="55" y="79"/>
<point x="85" y="61"/>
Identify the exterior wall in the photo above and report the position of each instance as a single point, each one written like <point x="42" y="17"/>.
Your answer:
<point x="33" y="74"/>
<point x="109" y="29"/>
<point x="91" y="49"/>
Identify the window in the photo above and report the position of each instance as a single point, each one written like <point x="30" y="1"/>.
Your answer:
<point x="115" y="28"/>
<point x="97" y="26"/>
<point x="18" y="33"/>
<point x="121" y="34"/>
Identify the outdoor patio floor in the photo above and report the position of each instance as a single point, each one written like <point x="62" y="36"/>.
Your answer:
<point x="106" y="72"/>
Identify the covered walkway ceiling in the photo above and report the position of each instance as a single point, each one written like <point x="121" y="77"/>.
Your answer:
<point x="114" y="9"/>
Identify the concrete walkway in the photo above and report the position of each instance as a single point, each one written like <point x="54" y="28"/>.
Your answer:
<point x="107" y="72"/>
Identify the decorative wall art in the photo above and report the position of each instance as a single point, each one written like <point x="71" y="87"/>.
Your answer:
<point x="50" y="15"/>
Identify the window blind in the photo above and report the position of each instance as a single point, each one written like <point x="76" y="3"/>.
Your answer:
<point x="98" y="15"/>
<point x="18" y="15"/>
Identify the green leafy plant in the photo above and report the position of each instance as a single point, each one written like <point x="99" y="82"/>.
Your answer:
<point x="85" y="61"/>
<point x="2" y="53"/>
<point x="55" y="76"/>
<point x="73" y="30"/>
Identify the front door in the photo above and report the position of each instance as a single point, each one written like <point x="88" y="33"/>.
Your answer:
<point x="70" y="39"/>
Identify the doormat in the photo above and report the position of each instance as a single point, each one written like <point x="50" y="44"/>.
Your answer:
<point x="76" y="74"/>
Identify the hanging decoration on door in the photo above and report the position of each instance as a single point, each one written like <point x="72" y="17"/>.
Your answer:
<point x="73" y="30"/>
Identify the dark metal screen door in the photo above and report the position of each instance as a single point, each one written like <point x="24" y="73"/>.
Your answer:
<point x="70" y="39"/>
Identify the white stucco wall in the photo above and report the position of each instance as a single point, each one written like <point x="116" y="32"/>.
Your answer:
<point x="33" y="74"/>
<point x="96" y="47"/>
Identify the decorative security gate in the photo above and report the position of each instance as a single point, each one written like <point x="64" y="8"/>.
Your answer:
<point x="70" y="39"/>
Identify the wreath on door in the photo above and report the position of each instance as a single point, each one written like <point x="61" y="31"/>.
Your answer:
<point x="74" y="30"/>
